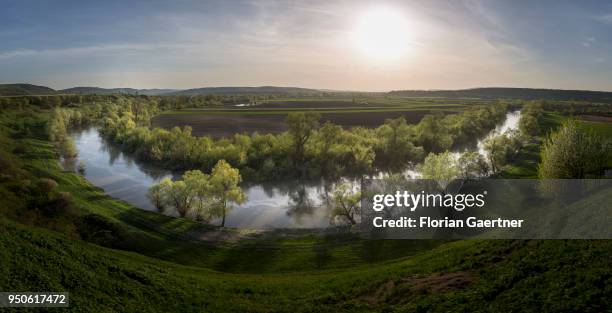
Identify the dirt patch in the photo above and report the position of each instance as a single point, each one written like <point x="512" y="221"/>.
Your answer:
<point x="399" y="291"/>
<point x="596" y="118"/>
<point x="227" y="125"/>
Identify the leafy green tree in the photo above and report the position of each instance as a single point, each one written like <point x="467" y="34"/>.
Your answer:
<point x="224" y="187"/>
<point x="327" y="148"/>
<point x="397" y="142"/>
<point x="433" y="134"/>
<point x="301" y="126"/>
<point x="179" y="196"/>
<point x="68" y="148"/>
<point x="528" y="125"/>
<point x="500" y="149"/>
<point x="158" y="194"/>
<point x="440" y="167"/>
<point x="572" y="152"/>
<point x="346" y="204"/>
<point x="199" y="188"/>
<point x="472" y="165"/>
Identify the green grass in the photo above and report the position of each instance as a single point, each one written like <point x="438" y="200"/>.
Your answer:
<point x="160" y="269"/>
<point x="501" y="276"/>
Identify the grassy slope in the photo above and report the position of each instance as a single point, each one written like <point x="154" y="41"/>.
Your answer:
<point x="527" y="276"/>
<point x="318" y="272"/>
<point x="164" y="237"/>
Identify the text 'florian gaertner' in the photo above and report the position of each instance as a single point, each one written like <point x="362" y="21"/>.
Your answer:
<point x="414" y="201"/>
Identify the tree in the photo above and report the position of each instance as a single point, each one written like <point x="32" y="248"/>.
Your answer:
<point x="224" y="187"/>
<point x="326" y="147"/>
<point x="158" y="194"/>
<point x="301" y="126"/>
<point x="433" y="135"/>
<point x="528" y="125"/>
<point x="396" y="136"/>
<point x="68" y="148"/>
<point x="440" y="167"/>
<point x="346" y="203"/>
<point x="179" y="196"/>
<point x="572" y="152"/>
<point x="500" y="149"/>
<point x="472" y="165"/>
<point x="198" y="185"/>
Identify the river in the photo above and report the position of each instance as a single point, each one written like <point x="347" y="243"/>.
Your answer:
<point x="294" y="204"/>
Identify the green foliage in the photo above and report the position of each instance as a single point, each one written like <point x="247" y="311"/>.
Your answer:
<point x="531" y="114"/>
<point x="301" y="127"/>
<point x="67" y="148"/>
<point x="472" y="165"/>
<point x="224" y="187"/>
<point x="315" y="273"/>
<point x="305" y="150"/>
<point x="99" y="230"/>
<point x="346" y="204"/>
<point x="397" y="141"/>
<point x="502" y="149"/>
<point x="441" y="167"/>
<point x="572" y="152"/>
<point x="200" y="195"/>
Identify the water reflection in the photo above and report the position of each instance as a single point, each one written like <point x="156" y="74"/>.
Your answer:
<point x="294" y="204"/>
<point x="290" y="204"/>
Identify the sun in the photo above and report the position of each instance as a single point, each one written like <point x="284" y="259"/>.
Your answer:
<point x="382" y="33"/>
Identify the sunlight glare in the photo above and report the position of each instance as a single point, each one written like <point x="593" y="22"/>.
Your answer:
<point x="382" y="33"/>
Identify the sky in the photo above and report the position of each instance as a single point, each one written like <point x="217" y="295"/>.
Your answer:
<point x="331" y="44"/>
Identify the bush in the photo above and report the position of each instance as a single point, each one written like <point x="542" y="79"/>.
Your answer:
<point x="46" y="185"/>
<point x="60" y="204"/>
<point x="572" y="152"/>
<point x="99" y="230"/>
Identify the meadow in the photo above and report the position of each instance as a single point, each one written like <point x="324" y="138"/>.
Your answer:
<point x="156" y="263"/>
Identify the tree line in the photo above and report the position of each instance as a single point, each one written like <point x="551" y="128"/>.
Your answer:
<point x="308" y="149"/>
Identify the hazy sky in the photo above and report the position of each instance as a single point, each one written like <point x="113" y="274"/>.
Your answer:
<point x="318" y="44"/>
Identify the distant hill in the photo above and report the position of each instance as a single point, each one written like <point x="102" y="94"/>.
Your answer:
<point x="513" y="93"/>
<point x="24" y="90"/>
<point x="246" y="90"/>
<point x="483" y="93"/>
<point x="106" y="91"/>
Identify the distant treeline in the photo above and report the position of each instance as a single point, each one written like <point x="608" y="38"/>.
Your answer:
<point x="511" y="93"/>
<point x="168" y="102"/>
<point x="274" y="92"/>
<point x="29" y="89"/>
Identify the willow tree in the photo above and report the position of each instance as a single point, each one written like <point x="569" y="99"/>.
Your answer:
<point x="198" y="185"/>
<point x="158" y="194"/>
<point x="224" y="187"/>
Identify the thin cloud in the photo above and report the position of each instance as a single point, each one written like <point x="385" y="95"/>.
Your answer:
<point x="606" y="18"/>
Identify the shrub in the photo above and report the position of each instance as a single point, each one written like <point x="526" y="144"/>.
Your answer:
<point x="61" y="204"/>
<point x="99" y="230"/>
